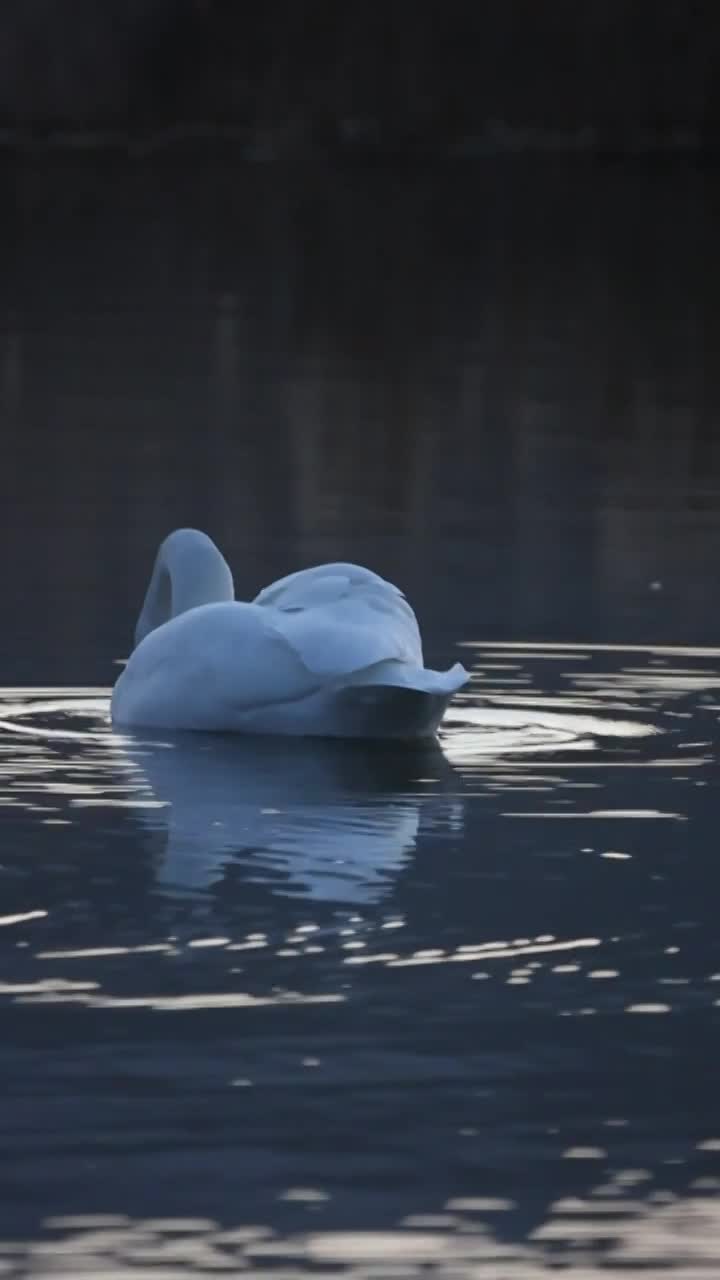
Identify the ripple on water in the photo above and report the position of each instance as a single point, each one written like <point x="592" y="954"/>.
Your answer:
<point x="414" y="951"/>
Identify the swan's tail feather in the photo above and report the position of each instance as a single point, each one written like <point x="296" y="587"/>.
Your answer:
<point x="393" y="700"/>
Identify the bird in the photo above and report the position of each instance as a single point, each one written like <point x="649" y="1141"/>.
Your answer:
<point x="331" y="651"/>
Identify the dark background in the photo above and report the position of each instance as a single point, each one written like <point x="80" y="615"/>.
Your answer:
<point x="428" y="285"/>
<point x="457" y="76"/>
<point x="498" y="389"/>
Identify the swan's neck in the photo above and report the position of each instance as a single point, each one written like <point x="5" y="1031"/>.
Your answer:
<point x="189" y="571"/>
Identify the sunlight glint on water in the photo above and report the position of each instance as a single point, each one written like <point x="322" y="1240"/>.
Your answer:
<point x="347" y="843"/>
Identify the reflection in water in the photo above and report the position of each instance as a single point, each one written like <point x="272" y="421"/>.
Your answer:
<point x="474" y="733"/>
<point x="318" y="819"/>
<point x="304" y="817"/>
<point x="610" y="1232"/>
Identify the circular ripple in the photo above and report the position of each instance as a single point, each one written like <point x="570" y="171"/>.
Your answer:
<point x="80" y="718"/>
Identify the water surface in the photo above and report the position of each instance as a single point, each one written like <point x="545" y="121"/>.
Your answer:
<point x="314" y="1006"/>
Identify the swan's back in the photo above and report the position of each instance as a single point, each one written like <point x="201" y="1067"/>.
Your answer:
<point x="307" y="587"/>
<point x="337" y="609"/>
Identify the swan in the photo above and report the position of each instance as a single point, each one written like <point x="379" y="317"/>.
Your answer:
<point x="333" y="651"/>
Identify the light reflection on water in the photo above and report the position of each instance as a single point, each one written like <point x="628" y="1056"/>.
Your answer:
<point x="416" y="1030"/>
<point x="459" y="1238"/>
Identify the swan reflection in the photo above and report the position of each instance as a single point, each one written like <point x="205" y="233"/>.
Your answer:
<point x="325" y="821"/>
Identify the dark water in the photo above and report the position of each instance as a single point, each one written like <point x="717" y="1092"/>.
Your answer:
<point x="289" y="1006"/>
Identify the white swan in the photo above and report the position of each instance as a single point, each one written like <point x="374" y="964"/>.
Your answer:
<point x="333" y="651"/>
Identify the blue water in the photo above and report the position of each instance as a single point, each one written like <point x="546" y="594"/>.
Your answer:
<point x="303" y="1006"/>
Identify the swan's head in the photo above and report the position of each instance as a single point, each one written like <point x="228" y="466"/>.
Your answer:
<point x="189" y="571"/>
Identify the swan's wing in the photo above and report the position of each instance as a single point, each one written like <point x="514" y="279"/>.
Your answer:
<point x="309" y="587"/>
<point x="341" y="617"/>
<point x="342" y="638"/>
